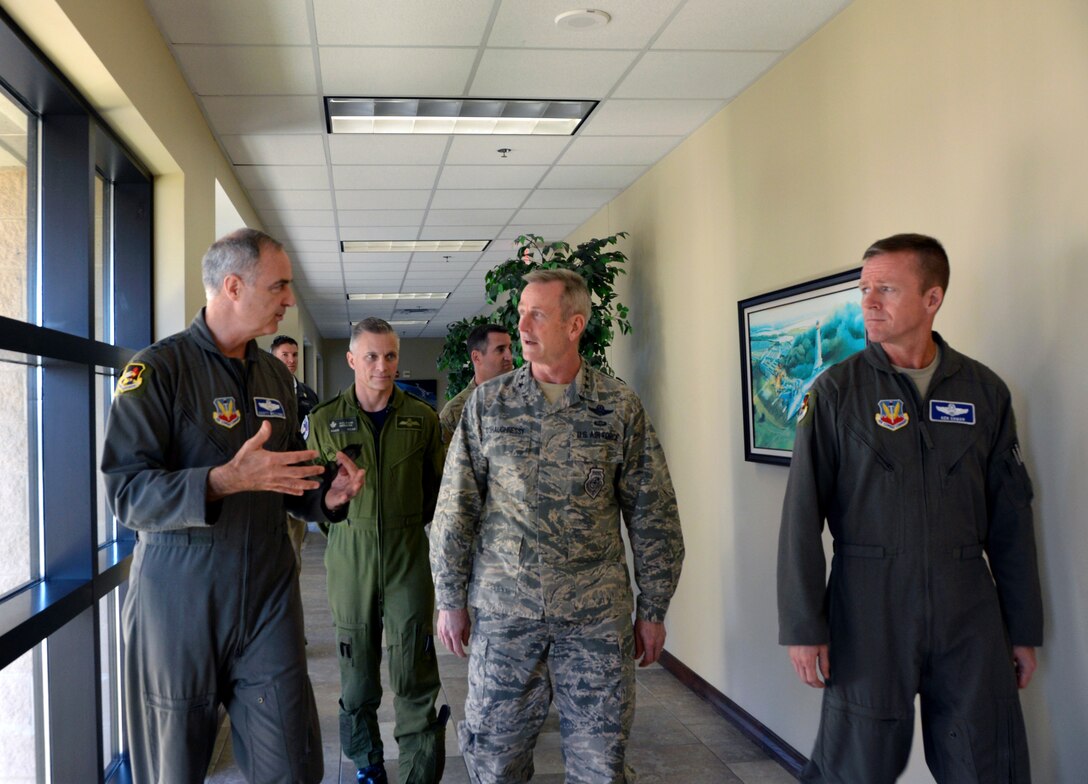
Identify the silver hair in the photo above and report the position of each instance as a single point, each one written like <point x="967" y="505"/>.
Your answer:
<point x="237" y="253"/>
<point x="575" y="298"/>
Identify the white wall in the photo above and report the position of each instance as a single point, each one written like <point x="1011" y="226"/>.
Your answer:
<point x="958" y="118"/>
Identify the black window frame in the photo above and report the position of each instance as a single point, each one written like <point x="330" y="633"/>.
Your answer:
<point x="62" y="605"/>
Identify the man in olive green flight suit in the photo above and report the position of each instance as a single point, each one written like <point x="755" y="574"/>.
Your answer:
<point x="377" y="559"/>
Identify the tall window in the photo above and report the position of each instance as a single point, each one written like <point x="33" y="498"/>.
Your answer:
<point x="18" y="373"/>
<point x="75" y="247"/>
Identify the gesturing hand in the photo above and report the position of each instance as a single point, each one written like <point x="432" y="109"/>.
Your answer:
<point x="347" y="484"/>
<point x="254" y="468"/>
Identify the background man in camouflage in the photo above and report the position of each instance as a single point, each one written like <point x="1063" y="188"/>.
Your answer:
<point x="527" y="531"/>
<point x="489" y="348"/>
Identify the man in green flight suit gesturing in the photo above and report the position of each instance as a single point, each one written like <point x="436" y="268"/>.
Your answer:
<point x="377" y="559"/>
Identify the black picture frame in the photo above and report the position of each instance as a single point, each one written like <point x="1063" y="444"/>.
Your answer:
<point x="775" y="362"/>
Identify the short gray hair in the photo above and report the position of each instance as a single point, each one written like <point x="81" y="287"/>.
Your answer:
<point x="375" y="326"/>
<point x="575" y="297"/>
<point x="237" y="253"/>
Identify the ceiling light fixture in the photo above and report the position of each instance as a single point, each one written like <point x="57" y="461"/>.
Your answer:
<point x="455" y="116"/>
<point x="400" y="295"/>
<point x="414" y="246"/>
<point x="408" y="323"/>
<point x="582" y="19"/>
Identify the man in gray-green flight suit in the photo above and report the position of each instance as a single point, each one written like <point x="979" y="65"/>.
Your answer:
<point x="908" y="449"/>
<point x="527" y="532"/>
<point x="489" y="349"/>
<point x="202" y="455"/>
<point x="376" y="559"/>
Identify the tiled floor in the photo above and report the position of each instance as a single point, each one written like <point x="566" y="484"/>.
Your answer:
<point x="677" y="737"/>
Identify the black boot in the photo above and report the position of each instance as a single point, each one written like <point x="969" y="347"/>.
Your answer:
<point x="372" y="774"/>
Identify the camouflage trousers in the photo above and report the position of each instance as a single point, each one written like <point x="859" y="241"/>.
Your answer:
<point x="515" y="667"/>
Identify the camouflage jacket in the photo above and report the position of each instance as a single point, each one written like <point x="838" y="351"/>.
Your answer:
<point x="451" y="412"/>
<point x="528" y="517"/>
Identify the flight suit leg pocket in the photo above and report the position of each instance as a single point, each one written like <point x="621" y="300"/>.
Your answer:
<point x="859" y="744"/>
<point x="949" y="751"/>
<point x="180" y="731"/>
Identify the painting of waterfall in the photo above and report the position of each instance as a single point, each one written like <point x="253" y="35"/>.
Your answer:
<point x="788" y="337"/>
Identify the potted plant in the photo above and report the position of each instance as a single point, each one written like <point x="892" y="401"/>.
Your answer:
<point x="596" y="260"/>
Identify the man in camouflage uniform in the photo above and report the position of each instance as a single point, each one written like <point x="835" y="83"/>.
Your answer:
<point x="489" y="348"/>
<point x="527" y="531"/>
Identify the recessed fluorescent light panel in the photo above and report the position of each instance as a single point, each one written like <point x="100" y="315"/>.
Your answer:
<point x="400" y="295"/>
<point x="455" y="115"/>
<point x="409" y="323"/>
<point x="414" y="246"/>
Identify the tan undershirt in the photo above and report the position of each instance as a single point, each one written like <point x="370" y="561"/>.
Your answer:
<point x="922" y="376"/>
<point x="553" y="392"/>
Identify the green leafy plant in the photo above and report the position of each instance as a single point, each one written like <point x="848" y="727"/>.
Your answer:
<point x="596" y="260"/>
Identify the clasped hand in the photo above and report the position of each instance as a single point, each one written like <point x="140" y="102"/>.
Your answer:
<point x="254" y="468"/>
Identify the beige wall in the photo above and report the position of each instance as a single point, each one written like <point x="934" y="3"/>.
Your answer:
<point x="960" y="118"/>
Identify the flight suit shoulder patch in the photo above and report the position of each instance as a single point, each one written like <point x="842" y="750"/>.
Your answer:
<point x="132" y="378"/>
<point x="806" y="405"/>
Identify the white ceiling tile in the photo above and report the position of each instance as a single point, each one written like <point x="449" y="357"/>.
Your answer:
<point x="347" y="71"/>
<point x="291" y="219"/>
<point x="363" y="283"/>
<point x="546" y="217"/>
<point x="775" y="25"/>
<point x="440" y="268"/>
<point x="583" y="197"/>
<point x="524" y="150"/>
<point x="357" y="263"/>
<point x="532" y="24"/>
<point x="462" y="217"/>
<point x="382" y="233"/>
<point x="490" y="176"/>
<point x="542" y="73"/>
<point x="266" y="114"/>
<point x="304" y="150"/>
<point x="248" y="70"/>
<point x="359" y="218"/>
<point x="298" y="247"/>
<point x="291" y="200"/>
<point x="236" y="22"/>
<point x="459" y="232"/>
<point x="549" y="233"/>
<point x="283" y="177"/>
<point x="382" y="199"/>
<point x="401" y="23"/>
<point x="297" y="234"/>
<point x="694" y="74"/>
<point x="386" y="149"/>
<point x="649" y="118"/>
<point x="318" y="260"/>
<point x="608" y="150"/>
<point x="592" y="176"/>
<point x="446" y="199"/>
<point x="391" y="177"/>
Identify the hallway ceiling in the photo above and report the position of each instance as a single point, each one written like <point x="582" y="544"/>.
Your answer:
<point x="260" y="68"/>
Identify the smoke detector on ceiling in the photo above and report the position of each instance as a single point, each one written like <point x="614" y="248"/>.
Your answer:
<point x="582" y="19"/>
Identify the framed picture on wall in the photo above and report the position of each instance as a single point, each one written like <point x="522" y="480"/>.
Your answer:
<point x="426" y="389"/>
<point x="787" y="338"/>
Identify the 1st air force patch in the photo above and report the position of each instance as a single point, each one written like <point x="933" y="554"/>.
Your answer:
<point x="131" y="378"/>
